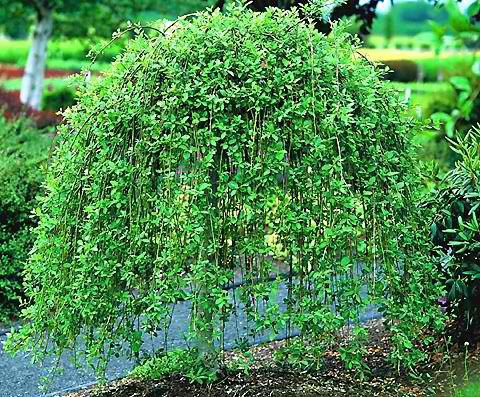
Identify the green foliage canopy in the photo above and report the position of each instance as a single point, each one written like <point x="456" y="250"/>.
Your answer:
<point x="173" y="169"/>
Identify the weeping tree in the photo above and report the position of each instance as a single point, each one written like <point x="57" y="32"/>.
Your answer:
<point x="66" y="18"/>
<point x="178" y="173"/>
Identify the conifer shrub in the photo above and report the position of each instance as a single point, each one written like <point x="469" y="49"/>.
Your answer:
<point x="174" y="169"/>
<point x="23" y="151"/>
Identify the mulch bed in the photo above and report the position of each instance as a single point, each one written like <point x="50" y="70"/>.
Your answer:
<point x="14" y="72"/>
<point x="10" y="103"/>
<point x="12" y="108"/>
<point x="259" y="383"/>
<point x="267" y="379"/>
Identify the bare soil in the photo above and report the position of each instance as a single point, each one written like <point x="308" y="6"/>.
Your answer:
<point x="267" y="379"/>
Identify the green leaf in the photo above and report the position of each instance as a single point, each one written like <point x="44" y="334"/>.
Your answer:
<point x="461" y="83"/>
<point x="345" y="261"/>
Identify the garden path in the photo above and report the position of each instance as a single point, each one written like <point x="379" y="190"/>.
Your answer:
<point x="20" y="378"/>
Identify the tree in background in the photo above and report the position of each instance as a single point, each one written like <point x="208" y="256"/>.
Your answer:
<point x="9" y="21"/>
<point x="69" y="18"/>
<point x="365" y="11"/>
<point x="388" y="28"/>
<point x="362" y="10"/>
<point x="410" y="18"/>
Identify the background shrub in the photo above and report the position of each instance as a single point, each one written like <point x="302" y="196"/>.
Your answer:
<point x="22" y="153"/>
<point x="176" y="165"/>
<point x="435" y="69"/>
<point x="58" y="97"/>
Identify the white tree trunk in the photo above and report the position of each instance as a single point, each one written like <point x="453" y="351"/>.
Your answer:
<point x="32" y="81"/>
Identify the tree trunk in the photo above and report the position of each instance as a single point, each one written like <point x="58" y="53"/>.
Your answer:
<point x="204" y="317"/>
<point x="205" y="332"/>
<point x="32" y="81"/>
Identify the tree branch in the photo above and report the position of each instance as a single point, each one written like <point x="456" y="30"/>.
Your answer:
<point x="219" y="4"/>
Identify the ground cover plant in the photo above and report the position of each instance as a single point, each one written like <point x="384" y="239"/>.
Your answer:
<point x="23" y="151"/>
<point x="173" y="170"/>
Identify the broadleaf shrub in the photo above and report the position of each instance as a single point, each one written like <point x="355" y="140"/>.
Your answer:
<point x="23" y="151"/>
<point x="456" y="231"/>
<point x="175" y="167"/>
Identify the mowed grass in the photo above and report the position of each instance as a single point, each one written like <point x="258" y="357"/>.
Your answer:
<point x="472" y="390"/>
<point x="16" y="84"/>
<point x="63" y="54"/>
<point x="391" y="54"/>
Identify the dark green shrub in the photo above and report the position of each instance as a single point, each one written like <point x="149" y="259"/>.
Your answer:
<point x="425" y="46"/>
<point x="401" y="70"/>
<point x="23" y="150"/>
<point x="175" y="168"/>
<point x="56" y="98"/>
<point x="456" y="231"/>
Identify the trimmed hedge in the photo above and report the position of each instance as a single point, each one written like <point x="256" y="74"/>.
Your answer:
<point x="436" y="69"/>
<point x="23" y="151"/>
<point x="16" y="51"/>
<point x="401" y="70"/>
<point x="58" y="97"/>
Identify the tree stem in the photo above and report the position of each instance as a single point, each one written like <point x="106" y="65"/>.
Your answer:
<point x="32" y="81"/>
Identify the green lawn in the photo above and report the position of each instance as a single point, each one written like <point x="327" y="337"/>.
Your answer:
<point x="15" y="84"/>
<point x="63" y="54"/>
<point x="472" y="390"/>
